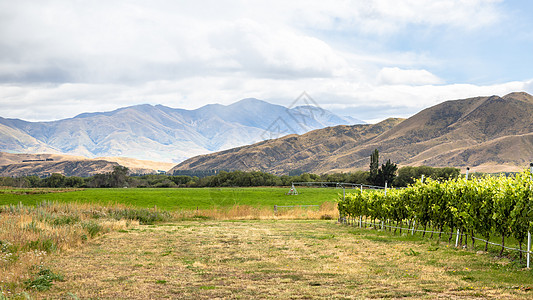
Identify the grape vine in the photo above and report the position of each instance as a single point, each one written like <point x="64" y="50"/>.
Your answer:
<point x="484" y="206"/>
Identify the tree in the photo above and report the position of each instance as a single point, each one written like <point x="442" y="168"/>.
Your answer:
<point x="387" y="173"/>
<point x="374" y="167"/>
<point x="56" y="180"/>
<point x="407" y="175"/>
<point x="119" y="176"/>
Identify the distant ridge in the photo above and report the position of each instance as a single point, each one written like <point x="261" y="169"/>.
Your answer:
<point x="487" y="133"/>
<point x="160" y="133"/>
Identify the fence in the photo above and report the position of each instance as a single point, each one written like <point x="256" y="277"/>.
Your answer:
<point x="338" y="185"/>
<point x="458" y="234"/>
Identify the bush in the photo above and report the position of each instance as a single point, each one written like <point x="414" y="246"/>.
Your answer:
<point x="43" y="281"/>
<point x="65" y="220"/>
<point x="144" y="216"/>
<point x="47" y="245"/>
<point x="92" y="228"/>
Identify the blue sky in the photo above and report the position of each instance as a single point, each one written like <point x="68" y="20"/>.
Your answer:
<point x="367" y="59"/>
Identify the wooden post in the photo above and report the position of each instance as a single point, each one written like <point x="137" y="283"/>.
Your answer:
<point x="528" y="247"/>
<point x="343" y="194"/>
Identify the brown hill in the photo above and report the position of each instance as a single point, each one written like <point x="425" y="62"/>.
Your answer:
<point x="22" y="164"/>
<point x="310" y="151"/>
<point x="486" y="133"/>
<point x="82" y="168"/>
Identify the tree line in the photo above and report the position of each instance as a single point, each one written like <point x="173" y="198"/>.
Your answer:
<point x="121" y="178"/>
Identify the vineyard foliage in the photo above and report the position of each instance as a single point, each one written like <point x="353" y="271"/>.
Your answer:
<point x="483" y="206"/>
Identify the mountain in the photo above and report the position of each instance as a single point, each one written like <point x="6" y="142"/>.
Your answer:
<point x="486" y="133"/>
<point x="161" y="133"/>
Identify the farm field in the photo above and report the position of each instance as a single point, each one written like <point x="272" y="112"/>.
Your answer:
<point x="286" y="259"/>
<point x="173" y="198"/>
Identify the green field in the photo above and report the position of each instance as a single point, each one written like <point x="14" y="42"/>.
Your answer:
<point x="175" y="199"/>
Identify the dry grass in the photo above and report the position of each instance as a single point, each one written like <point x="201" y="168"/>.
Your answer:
<point x="265" y="259"/>
<point x="241" y="252"/>
<point x="29" y="234"/>
<point x="328" y="210"/>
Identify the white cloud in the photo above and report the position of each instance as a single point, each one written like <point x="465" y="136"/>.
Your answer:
<point x="61" y="58"/>
<point x="414" y="77"/>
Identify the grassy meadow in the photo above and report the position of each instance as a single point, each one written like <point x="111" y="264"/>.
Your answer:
<point x="225" y="243"/>
<point x="172" y="198"/>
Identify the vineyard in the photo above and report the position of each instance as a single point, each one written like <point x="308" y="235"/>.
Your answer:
<point x="487" y="207"/>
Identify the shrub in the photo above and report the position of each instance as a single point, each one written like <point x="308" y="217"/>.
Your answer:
<point x="65" y="220"/>
<point x="43" y="281"/>
<point x="92" y="228"/>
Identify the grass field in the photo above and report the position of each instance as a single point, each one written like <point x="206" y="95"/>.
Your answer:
<point x="174" y="199"/>
<point x="92" y="244"/>
<point x="278" y="259"/>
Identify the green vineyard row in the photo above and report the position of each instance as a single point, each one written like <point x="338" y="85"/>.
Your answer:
<point x="483" y="206"/>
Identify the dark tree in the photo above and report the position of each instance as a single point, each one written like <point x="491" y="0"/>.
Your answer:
<point x="378" y="176"/>
<point x="119" y="176"/>
<point x="56" y="180"/>
<point x="374" y="168"/>
<point x="387" y="173"/>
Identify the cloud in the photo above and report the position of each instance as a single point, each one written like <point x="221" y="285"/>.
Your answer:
<point x="413" y="77"/>
<point x="62" y="58"/>
<point x="390" y="16"/>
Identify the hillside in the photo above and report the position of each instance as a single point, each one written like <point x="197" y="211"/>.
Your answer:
<point x="310" y="151"/>
<point x="82" y="168"/>
<point x="160" y="133"/>
<point x="486" y="133"/>
<point x="12" y="164"/>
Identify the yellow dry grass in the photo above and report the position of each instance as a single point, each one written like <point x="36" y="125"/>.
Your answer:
<point x="29" y="234"/>
<point x="260" y="259"/>
<point x="328" y="210"/>
<point x="241" y="252"/>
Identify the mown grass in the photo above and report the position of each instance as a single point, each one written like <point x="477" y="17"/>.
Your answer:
<point x="465" y="243"/>
<point x="472" y="265"/>
<point x="30" y="234"/>
<point x="286" y="259"/>
<point x="173" y="198"/>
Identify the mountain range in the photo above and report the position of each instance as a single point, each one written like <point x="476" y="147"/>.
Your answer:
<point x="160" y="133"/>
<point x="489" y="134"/>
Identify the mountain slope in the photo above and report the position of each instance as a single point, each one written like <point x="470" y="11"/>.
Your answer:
<point x="305" y="152"/>
<point x="82" y="168"/>
<point x="162" y="133"/>
<point x="17" y="164"/>
<point x="485" y="132"/>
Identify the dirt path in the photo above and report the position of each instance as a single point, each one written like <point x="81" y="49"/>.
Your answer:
<point x="260" y="259"/>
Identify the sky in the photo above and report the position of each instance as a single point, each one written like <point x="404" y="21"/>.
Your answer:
<point x="366" y="59"/>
